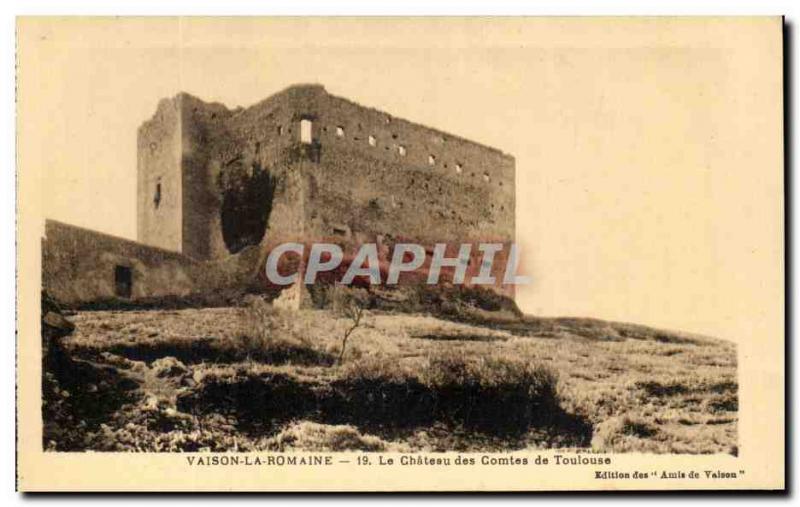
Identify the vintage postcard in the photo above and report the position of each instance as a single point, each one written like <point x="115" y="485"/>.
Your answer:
<point x="400" y="254"/>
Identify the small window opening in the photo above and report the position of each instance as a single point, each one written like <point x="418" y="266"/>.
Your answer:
<point x="431" y="160"/>
<point x="401" y="150"/>
<point x="305" y="131"/>
<point x="157" y="196"/>
<point x="372" y="141"/>
<point x="339" y="231"/>
<point x="340" y="131"/>
<point x="280" y="130"/>
<point x="123" y="281"/>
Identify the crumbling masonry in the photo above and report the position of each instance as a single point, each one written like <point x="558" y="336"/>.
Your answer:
<point x="217" y="187"/>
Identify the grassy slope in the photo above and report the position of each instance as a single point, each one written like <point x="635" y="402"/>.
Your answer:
<point x="637" y="389"/>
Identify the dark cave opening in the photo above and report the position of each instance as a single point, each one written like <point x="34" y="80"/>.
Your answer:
<point x="246" y="206"/>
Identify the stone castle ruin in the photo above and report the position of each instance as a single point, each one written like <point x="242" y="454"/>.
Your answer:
<point x="217" y="186"/>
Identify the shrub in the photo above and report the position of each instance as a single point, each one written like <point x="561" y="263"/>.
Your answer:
<point x="496" y="393"/>
<point x="491" y="394"/>
<point x="266" y="326"/>
<point x="450" y="368"/>
<point x="376" y="369"/>
<point x="257" y="400"/>
<point x="349" y="303"/>
<point x="380" y="391"/>
<point x="275" y="335"/>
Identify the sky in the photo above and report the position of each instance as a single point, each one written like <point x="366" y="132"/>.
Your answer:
<point x="648" y="154"/>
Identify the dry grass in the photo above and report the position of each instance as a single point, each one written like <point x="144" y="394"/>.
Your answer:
<point x="529" y="383"/>
<point x="256" y="331"/>
<point x="315" y="437"/>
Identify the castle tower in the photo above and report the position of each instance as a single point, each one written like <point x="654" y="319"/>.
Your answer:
<point x="306" y="164"/>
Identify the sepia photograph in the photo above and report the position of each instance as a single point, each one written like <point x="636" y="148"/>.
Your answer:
<point x="175" y="342"/>
<point x="355" y="242"/>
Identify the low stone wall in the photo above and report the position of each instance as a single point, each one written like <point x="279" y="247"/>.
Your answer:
<point x="81" y="265"/>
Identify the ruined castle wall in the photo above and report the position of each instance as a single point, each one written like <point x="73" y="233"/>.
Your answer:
<point x="363" y="174"/>
<point x="203" y="126"/>
<point x="159" y="187"/>
<point x="79" y="266"/>
<point x="218" y="141"/>
<point x="383" y="175"/>
<point x="368" y="173"/>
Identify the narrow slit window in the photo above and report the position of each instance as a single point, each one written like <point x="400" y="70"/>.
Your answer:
<point x="305" y="131"/>
<point x="157" y="195"/>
